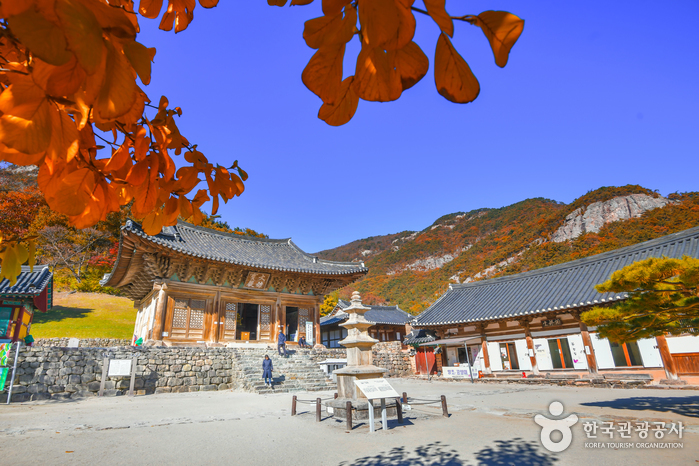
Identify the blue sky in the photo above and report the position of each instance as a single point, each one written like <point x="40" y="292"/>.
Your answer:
<point x="594" y="94"/>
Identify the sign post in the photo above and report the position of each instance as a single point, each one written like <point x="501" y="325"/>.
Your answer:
<point x="119" y="368"/>
<point x="375" y="389"/>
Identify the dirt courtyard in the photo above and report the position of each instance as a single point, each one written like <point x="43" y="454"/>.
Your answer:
<point x="488" y="424"/>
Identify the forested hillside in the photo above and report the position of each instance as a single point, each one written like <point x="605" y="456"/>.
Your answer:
<point x="412" y="269"/>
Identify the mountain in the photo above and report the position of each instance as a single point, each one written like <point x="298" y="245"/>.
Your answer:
<point x="413" y="268"/>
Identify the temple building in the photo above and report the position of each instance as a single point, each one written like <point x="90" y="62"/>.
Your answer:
<point x="391" y="323"/>
<point x="195" y="286"/>
<point x="32" y="292"/>
<point x="530" y="322"/>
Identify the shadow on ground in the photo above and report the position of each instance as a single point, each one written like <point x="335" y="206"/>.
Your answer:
<point x="59" y="313"/>
<point x="682" y="405"/>
<point x="502" y="452"/>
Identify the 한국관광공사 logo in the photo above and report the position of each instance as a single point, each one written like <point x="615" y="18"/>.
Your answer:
<point x="548" y="426"/>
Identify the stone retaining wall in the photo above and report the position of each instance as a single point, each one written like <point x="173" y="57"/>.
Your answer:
<point x="59" y="373"/>
<point x="48" y="371"/>
<point x="388" y="355"/>
<point x="84" y="342"/>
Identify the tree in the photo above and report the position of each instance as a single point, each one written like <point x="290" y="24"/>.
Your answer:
<point x="663" y="297"/>
<point x="73" y="248"/>
<point x="69" y="79"/>
<point x="329" y="303"/>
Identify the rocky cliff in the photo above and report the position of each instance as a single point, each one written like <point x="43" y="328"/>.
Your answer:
<point x="593" y="217"/>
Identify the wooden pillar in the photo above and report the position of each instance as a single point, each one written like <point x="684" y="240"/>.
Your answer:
<point x="316" y="321"/>
<point x="530" y="347"/>
<point x="484" y="350"/>
<point x="277" y="319"/>
<point x="668" y="360"/>
<point x="160" y="311"/>
<point x="589" y="349"/>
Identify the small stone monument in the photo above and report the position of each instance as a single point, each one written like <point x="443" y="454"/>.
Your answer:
<point x="359" y="362"/>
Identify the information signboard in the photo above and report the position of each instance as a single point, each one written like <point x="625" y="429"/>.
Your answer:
<point x="456" y="372"/>
<point x="309" y="333"/>
<point x="374" y="389"/>
<point x="119" y="367"/>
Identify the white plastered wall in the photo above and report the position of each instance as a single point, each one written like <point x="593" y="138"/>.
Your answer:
<point x="494" y="355"/>
<point x="525" y="364"/>
<point x="577" y="351"/>
<point x="144" y="319"/>
<point x="543" y="357"/>
<point x="683" y="344"/>
<point x="603" y="352"/>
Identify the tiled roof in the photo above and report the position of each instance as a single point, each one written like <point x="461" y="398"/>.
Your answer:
<point x="419" y="336"/>
<point x="274" y="254"/>
<point x="559" y="287"/>
<point x="28" y="283"/>
<point x="329" y="320"/>
<point x="389" y="315"/>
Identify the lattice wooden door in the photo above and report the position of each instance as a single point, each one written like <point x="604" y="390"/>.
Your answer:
<point x="265" y="322"/>
<point x="188" y="319"/>
<point x="227" y="320"/>
<point x="303" y="318"/>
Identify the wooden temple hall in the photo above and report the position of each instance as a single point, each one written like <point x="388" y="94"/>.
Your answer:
<point x="530" y="322"/>
<point x="194" y="286"/>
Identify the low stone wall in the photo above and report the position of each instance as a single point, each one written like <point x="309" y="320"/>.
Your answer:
<point x="388" y="355"/>
<point x="84" y="342"/>
<point x="59" y="373"/>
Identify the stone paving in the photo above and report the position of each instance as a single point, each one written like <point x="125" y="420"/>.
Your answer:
<point x="488" y="424"/>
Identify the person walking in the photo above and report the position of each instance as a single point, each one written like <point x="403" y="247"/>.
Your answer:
<point x="267" y="371"/>
<point x="281" y="343"/>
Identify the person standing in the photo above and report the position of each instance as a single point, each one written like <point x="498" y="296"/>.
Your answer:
<point x="267" y="371"/>
<point x="281" y="343"/>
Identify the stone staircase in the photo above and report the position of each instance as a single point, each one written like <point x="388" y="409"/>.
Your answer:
<point x="295" y="373"/>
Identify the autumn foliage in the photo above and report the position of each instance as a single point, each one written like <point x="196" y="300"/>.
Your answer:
<point x="389" y="62"/>
<point x="71" y="103"/>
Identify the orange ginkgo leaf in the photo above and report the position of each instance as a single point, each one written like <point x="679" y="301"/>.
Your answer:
<point x="300" y="2"/>
<point x="343" y="109"/>
<point x="64" y="80"/>
<point x="323" y="73"/>
<point x="150" y="8"/>
<point x="208" y="3"/>
<point x="181" y="12"/>
<point x="330" y="30"/>
<point x="171" y="210"/>
<point x="41" y="36"/>
<point x="153" y="223"/>
<point x="436" y="10"/>
<point x="13" y="257"/>
<point x="380" y="20"/>
<point x="411" y="63"/>
<point x="333" y="7"/>
<point x="276" y="2"/>
<point x="25" y="125"/>
<point x="502" y="30"/>
<point x="73" y="191"/>
<point x="406" y="26"/>
<point x="64" y="138"/>
<point x="452" y="75"/>
<point x="375" y="79"/>
<point x="119" y="90"/>
<point x="185" y="207"/>
<point x="83" y="33"/>
<point x="140" y="58"/>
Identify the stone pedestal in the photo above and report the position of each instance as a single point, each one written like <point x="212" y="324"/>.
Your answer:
<point x="360" y="411"/>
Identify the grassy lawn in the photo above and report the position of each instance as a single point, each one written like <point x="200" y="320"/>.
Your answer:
<point x="86" y="315"/>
